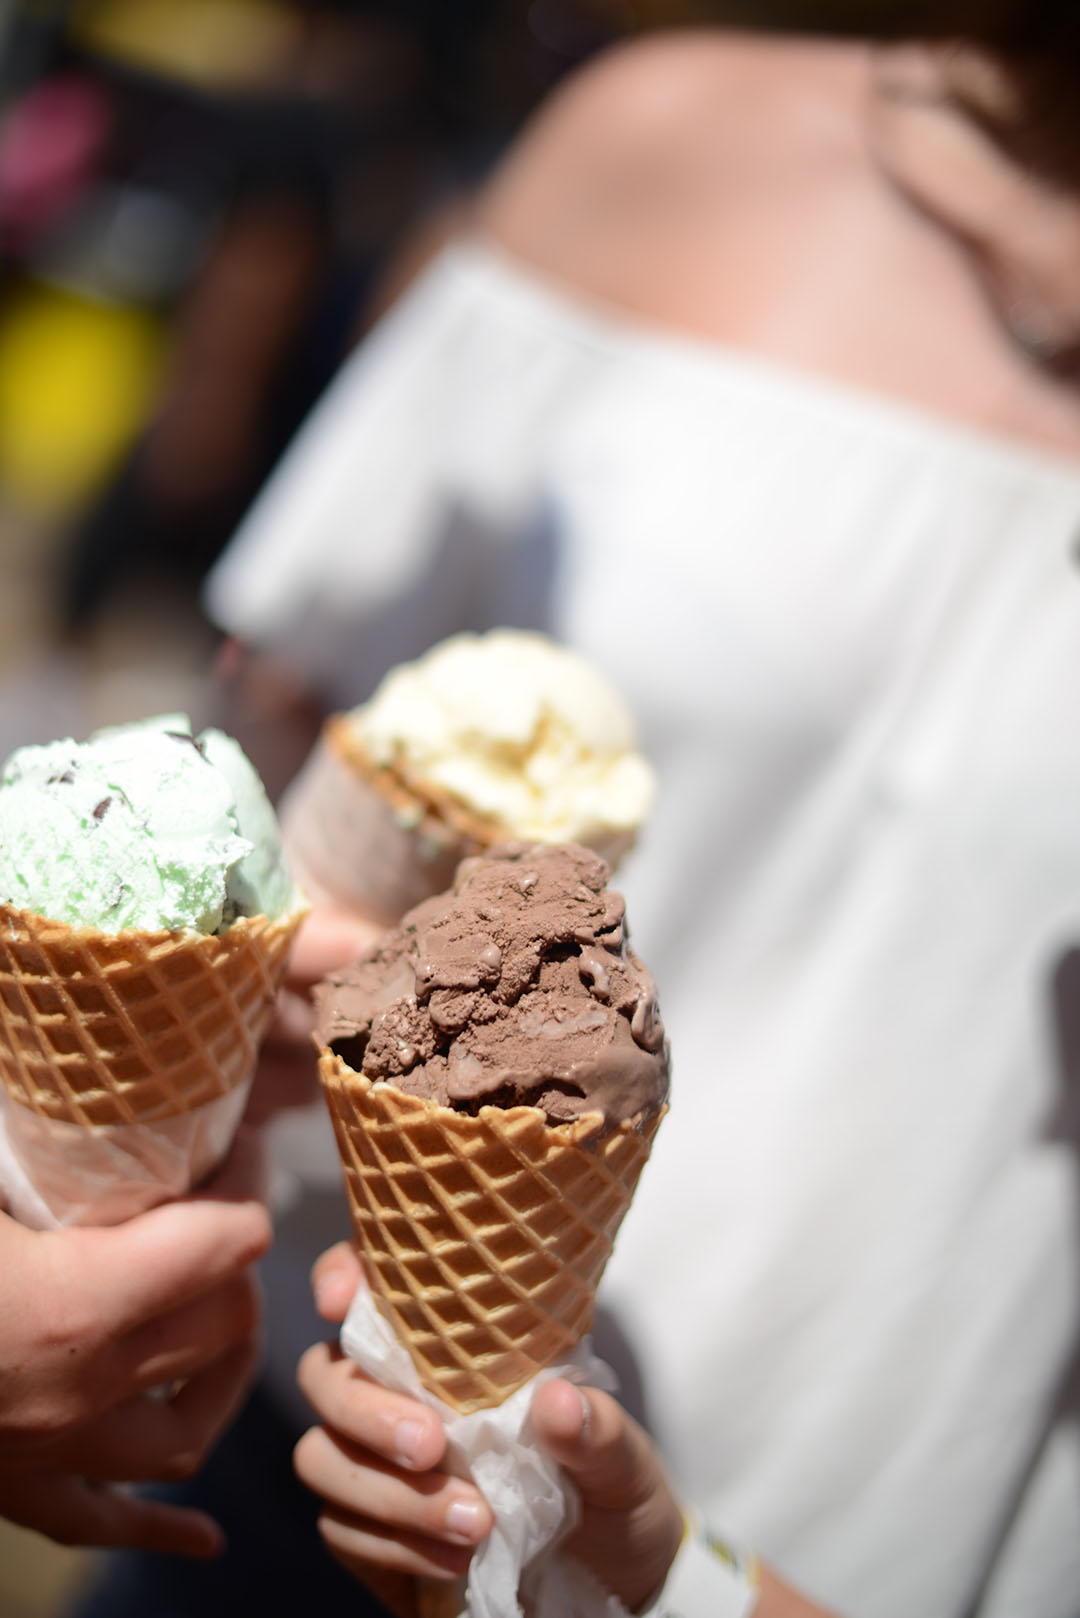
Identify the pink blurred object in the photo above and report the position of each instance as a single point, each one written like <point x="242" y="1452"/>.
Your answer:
<point x="51" y="143"/>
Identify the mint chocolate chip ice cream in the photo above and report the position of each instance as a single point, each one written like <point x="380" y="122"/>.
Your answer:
<point x="142" y="826"/>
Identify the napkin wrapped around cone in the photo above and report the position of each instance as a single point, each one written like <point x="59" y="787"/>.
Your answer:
<point x="126" y="1059"/>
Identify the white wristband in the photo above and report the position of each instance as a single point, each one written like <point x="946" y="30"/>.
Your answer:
<point x="707" y="1579"/>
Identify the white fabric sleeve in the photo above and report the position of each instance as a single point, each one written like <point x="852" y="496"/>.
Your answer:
<point x="397" y="504"/>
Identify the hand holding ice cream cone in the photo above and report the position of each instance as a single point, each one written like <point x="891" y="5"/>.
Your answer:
<point x="92" y="1322"/>
<point x="286" y="1076"/>
<point x="631" y="1523"/>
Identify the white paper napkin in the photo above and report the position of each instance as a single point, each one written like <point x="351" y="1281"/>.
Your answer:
<point x="56" y="1173"/>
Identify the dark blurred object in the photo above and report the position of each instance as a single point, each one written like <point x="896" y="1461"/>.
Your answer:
<point x="245" y="368"/>
<point x="1039" y="41"/>
<point x="274" y="1564"/>
<point x="237" y="171"/>
<point x="261" y="159"/>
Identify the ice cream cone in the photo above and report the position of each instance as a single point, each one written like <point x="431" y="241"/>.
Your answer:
<point x="368" y="839"/>
<point x="483" y="1236"/>
<point x="133" y="1027"/>
<point x="505" y="737"/>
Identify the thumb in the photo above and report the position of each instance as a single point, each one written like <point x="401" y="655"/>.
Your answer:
<point x="181" y="1250"/>
<point x="631" y="1523"/>
<point x="75" y="1512"/>
<point x="335" y="1276"/>
<point x="325" y="941"/>
<point x="607" y="1454"/>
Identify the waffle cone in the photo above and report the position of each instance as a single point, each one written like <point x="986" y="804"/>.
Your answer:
<point x="440" y="819"/>
<point x="483" y="1237"/>
<point x="359" y="837"/>
<point x="433" y="812"/>
<point x="133" y="1027"/>
<point x="380" y="839"/>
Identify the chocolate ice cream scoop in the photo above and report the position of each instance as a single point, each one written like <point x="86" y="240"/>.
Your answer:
<point x="515" y="988"/>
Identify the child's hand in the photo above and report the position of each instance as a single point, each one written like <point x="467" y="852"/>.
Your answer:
<point x="90" y="1322"/>
<point x="631" y="1524"/>
<point x="375" y="1462"/>
<point x="286" y="1075"/>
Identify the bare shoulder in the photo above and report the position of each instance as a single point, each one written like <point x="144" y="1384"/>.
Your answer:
<point x="659" y="120"/>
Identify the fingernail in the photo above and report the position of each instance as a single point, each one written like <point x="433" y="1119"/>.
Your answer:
<point x="586" y="1416"/>
<point x="408" y="1436"/>
<point x="465" y="1521"/>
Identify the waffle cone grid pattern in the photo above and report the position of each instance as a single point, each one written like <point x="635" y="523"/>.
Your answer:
<point x="432" y="811"/>
<point x="132" y="1027"/>
<point x="484" y="1238"/>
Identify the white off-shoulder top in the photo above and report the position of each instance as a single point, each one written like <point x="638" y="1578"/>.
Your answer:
<point x="851" y="635"/>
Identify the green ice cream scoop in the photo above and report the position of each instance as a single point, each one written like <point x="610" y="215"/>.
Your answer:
<point x="142" y="826"/>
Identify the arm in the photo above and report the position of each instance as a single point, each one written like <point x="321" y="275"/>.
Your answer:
<point x="90" y="1322"/>
<point x="391" y="1512"/>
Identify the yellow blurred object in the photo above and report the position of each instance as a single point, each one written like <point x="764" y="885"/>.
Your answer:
<point x="37" y="1578"/>
<point x="77" y="379"/>
<point x="216" y="44"/>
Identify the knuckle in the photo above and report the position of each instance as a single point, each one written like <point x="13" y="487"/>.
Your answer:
<point x="45" y="1418"/>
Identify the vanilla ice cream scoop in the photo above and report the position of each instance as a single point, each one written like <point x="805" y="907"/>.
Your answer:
<point x="520" y="731"/>
<point x="142" y="826"/>
<point x="486" y="739"/>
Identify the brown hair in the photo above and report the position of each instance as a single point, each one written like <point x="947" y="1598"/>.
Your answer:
<point x="1038" y="43"/>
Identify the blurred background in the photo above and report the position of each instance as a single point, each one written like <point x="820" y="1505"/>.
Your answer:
<point x="198" y="199"/>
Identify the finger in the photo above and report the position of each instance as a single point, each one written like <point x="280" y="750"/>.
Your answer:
<point x="178" y="1345"/>
<point x="294" y="1021"/>
<point x="419" y="1506"/>
<point x="607" y="1454"/>
<point x="631" y="1524"/>
<point x="243" y="1177"/>
<point x="161" y="1440"/>
<point x="335" y="1277"/>
<point x="328" y="939"/>
<point x="398" y="1429"/>
<point x="74" y="1512"/>
<point x="160" y="1260"/>
<point x="396" y="1591"/>
<point x="287" y="1076"/>
<point x="359" y="1545"/>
